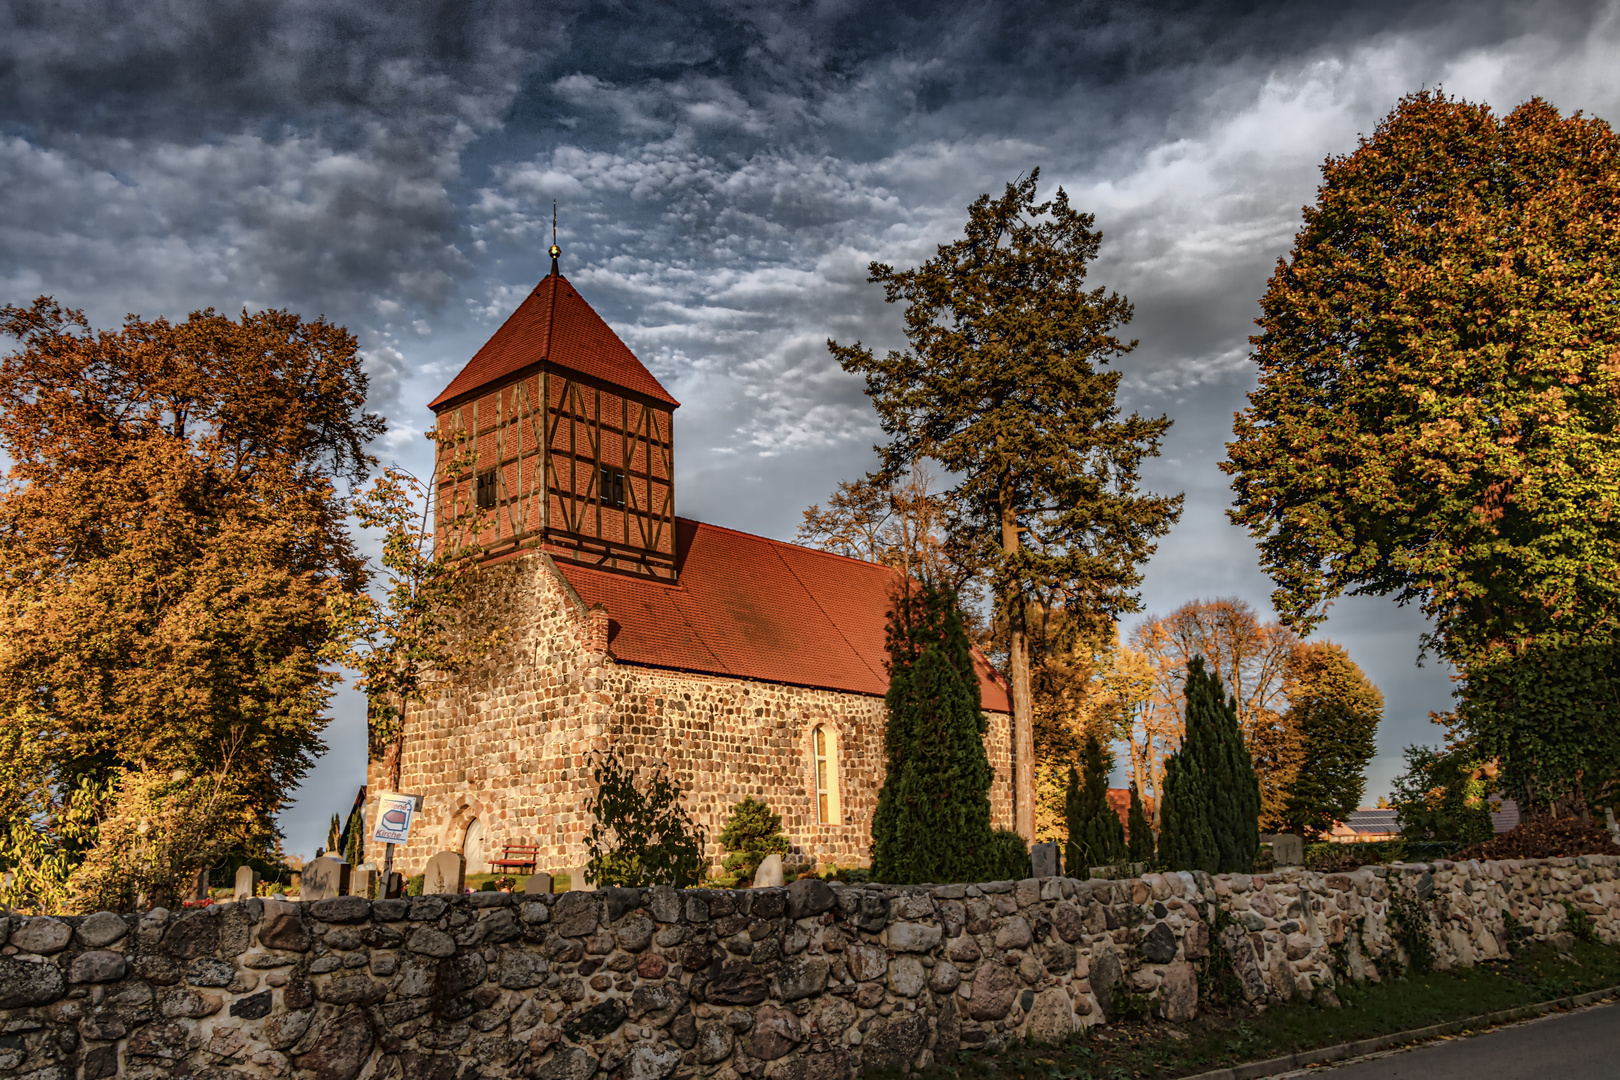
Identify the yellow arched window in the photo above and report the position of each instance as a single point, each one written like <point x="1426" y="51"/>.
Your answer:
<point x="824" y="750"/>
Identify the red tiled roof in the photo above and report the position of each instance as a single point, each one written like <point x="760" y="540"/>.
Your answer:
<point x="1119" y="801"/>
<point x="555" y="323"/>
<point x="755" y="608"/>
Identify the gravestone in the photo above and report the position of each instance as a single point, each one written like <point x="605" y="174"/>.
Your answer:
<point x="362" y="881"/>
<point x="199" y="890"/>
<point x="247" y="883"/>
<point x="324" y="878"/>
<point x="1608" y="819"/>
<point x="769" y="874"/>
<point x="577" y="882"/>
<point x="1286" y="849"/>
<point x="537" y="885"/>
<point x="446" y="874"/>
<point x="1044" y="859"/>
<point x="395" y="887"/>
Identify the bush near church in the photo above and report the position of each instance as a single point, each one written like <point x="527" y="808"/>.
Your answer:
<point x="752" y="832"/>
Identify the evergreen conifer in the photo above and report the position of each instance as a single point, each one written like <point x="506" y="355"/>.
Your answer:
<point x="752" y="832"/>
<point x="1211" y="815"/>
<point x="932" y="822"/>
<point x="1095" y="835"/>
<point x="1140" y="841"/>
<point x="1185" y="839"/>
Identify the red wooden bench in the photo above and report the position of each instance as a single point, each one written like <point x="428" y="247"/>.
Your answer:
<point x="517" y="856"/>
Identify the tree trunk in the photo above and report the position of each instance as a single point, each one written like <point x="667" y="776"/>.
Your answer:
<point x="1022" y="703"/>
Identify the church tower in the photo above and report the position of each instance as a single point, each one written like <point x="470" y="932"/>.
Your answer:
<point x="563" y="439"/>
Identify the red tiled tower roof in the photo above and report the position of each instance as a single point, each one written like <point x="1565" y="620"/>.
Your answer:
<point x="554" y="323"/>
<point x="754" y="608"/>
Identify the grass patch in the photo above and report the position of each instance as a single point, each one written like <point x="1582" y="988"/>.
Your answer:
<point x="1220" y="1038"/>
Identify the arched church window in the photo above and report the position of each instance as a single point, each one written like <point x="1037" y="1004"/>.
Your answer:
<point x="824" y="749"/>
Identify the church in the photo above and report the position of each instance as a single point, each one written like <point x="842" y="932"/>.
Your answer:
<point x="741" y="665"/>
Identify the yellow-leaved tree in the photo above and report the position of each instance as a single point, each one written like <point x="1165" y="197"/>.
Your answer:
<point x="172" y="527"/>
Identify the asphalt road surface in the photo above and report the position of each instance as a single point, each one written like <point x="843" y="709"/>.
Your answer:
<point x="1581" y="1045"/>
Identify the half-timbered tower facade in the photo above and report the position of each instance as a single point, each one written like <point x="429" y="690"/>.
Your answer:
<point x="739" y="664"/>
<point x="555" y="435"/>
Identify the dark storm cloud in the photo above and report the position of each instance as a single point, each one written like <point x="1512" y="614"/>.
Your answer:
<point x="725" y="172"/>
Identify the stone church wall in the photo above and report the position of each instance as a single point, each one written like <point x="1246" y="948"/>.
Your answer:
<point x="509" y="743"/>
<point x="812" y="982"/>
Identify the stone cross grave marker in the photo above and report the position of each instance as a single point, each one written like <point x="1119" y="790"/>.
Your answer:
<point x="324" y="878"/>
<point x="769" y="874"/>
<point x="1044" y="858"/>
<point x="537" y="884"/>
<point x="446" y="874"/>
<point x="577" y="882"/>
<point x="247" y="883"/>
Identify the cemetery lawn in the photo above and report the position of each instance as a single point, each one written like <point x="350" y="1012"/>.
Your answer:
<point x="1220" y="1038"/>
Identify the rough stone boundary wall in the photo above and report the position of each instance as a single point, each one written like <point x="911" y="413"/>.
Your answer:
<point x="811" y="982"/>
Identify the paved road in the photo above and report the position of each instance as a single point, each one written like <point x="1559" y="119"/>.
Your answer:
<point x="1582" y="1045"/>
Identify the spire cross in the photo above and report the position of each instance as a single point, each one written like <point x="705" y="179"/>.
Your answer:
<point x="555" y="250"/>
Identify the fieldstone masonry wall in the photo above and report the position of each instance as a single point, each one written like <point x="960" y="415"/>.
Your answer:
<point x="811" y="982"/>
<point x="509" y="743"/>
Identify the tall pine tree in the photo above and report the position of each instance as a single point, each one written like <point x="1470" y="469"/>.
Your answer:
<point x="1211" y="815"/>
<point x="1003" y="385"/>
<point x="932" y="822"/>
<point x="1139" y="843"/>
<point x="1095" y="835"/>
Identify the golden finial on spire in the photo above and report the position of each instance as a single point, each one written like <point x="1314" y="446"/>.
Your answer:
<point x="555" y="250"/>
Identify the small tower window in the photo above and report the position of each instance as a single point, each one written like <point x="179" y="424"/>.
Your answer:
<point x="611" y="485"/>
<point x="486" y="491"/>
<point x="824" y="749"/>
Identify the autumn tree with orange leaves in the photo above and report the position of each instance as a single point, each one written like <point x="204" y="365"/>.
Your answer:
<point x="172" y="528"/>
<point x="1438" y="420"/>
<point x="1251" y="659"/>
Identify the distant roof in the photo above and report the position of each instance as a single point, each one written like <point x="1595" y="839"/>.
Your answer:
<point x="755" y="608"/>
<point x="1119" y="801"/>
<point x="1374" y="821"/>
<point x="554" y="323"/>
<point x="1507" y="818"/>
<point x="1388" y="821"/>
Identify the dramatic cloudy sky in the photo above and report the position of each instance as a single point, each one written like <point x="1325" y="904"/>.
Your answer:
<point x="724" y="174"/>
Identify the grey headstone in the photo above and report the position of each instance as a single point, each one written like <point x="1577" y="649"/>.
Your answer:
<point x="1045" y="860"/>
<point x="537" y="884"/>
<point x="1286" y="849"/>
<point x="325" y="877"/>
<point x="577" y="882"/>
<point x="446" y="874"/>
<point x="363" y="881"/>
<point x="1608" y="819"/>
<point x="769" y="874"/>
<point x="199" y="891"/>
<point x="247" y="883"/>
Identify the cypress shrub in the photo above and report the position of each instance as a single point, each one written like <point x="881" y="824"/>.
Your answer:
<point x="1140" y="842"/>
<point x="1095" y="835"/>
<point x="932" y="822"/>
<point x="752" y="832"/>
<point x="1008" y="858"/>
<point x="1185" y="839"/>
<point x="1235" y="809"/>
<point x="1211" y="815"/>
